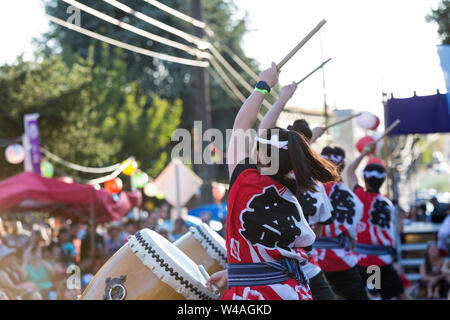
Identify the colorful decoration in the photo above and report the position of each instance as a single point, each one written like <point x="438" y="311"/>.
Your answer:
<point x="114" y="186"/>
<point x="363" y="142"/>
<point x="150" y="190"/>
<point x="368" y="121"/>
<point x="47" y="169"/>
<point x="131" y="168"/>
<point x="140" y="179"/>
<point x="15" y="153"/>
<point x="159" y="195"/>
<point x="68" y="180"/>
<point x="219" y="192"/>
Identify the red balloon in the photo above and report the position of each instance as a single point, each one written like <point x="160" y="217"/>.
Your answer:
<point x="363" y="142"/>
<point x="376" y="161"/>
<point x="114" y="186"/>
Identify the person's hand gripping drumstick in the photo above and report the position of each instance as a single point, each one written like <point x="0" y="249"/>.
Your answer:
<point x="218" y="280"/>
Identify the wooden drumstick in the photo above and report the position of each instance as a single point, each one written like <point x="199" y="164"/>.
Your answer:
<point x="314" y="71"/>
<point x="342" y="121"/>
<point x="388" y="130"/>
<point x="301" y="44"/>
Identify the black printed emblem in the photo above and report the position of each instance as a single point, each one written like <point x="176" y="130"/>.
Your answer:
<point x="308" y="204"/>
<point x="343" y="205"/>
<point x="270" y="221"/>
<point x="380" y="213"/>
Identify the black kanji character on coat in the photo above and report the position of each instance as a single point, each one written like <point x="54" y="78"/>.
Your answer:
<point x="308" y="204"/>
<point x="343" y="205"/>
<point x="380" y="213"/>
<point x="271" y="221"/>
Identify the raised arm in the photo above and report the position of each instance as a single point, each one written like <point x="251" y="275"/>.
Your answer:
<point x="271" y="117"/>
<point x="352" y="179"/>
<point x="238" y="148"/>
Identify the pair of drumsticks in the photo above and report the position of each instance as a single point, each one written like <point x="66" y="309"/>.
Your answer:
<point x="297" y="48"/>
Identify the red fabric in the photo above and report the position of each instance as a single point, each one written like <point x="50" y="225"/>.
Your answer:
<point x="255" y="193"/>
<point x="31" y="192"/>
<point x="372" y="233"/>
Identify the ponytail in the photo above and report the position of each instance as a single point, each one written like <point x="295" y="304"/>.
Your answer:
<point x="307" y="165"/>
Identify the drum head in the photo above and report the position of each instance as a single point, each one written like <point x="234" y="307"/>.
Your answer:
<point x="212" y="242"/>
<point x="171" y="265"/>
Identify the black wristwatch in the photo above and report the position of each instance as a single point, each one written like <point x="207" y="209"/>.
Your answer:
<point x="262" y="85"/>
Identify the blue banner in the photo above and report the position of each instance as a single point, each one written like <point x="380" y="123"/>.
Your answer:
<point x="444" y="55"/>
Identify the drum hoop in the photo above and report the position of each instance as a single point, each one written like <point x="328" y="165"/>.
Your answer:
<point x="206" y="295"/>
<point x="215" y="251"/>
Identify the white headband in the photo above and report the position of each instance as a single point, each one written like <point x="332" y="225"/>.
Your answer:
<point x="336" y="159"/>
<point x="374" y="174"/>
<point x="274" y="141"/>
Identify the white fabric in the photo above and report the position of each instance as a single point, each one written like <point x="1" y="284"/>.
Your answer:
<point x="274" y="141"/>
<point x="374" y="174"/>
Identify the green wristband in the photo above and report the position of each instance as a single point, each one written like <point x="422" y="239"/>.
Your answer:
<point x="266" y="93"/>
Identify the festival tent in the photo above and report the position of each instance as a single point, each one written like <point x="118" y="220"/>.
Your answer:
<point x="79" y="202"/>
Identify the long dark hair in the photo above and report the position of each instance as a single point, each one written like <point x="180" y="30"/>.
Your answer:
<point x="307" y="165"/>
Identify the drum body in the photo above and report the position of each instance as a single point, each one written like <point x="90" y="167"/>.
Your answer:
<point x="148" y="267"/>
<point x="205" y="247"/>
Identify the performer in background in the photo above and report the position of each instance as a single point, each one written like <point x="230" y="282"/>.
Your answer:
<point x="315" y="204"/>
<point x="375" y="231"/>
<point x="334" y="249"/>
<point x="265" y="221"/>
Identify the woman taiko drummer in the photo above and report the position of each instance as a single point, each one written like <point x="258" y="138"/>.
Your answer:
<point x="264" y="220"/>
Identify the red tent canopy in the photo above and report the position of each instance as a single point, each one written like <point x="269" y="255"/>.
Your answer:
<point x="31" y="192"/>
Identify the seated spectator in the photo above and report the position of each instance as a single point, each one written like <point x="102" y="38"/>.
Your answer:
<point x="69" y="253"/>
<point x="431" y="277"/>
<point x="115" y="238"/>
<point x="152" y="221"/>
<point x="54" y="259"/>
<point x="13" y="275"/>
<point x="179" y="229"/>
<point x="16" y="237"/>
<point x="93" y="256"/>
<point x="39" y="272"/>
<point x="422" y="212"/>
<point x="439" y="212"/>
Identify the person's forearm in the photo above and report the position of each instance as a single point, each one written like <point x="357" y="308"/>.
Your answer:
<point x="351" y="171"/>
<point x="271" y="117"/>
<point x="248" y="113"/>
<point x="355" y="164"/>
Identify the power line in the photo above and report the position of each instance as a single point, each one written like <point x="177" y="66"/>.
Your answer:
<point x="217" y="77"/>
<point x="77" y="167"/>
<point x="127" y="46"/>
<point x="186" y="36"/>
<point x="146" y="34"/>
<point x="176" y="13"/>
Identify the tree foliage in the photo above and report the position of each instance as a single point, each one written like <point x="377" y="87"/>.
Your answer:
<point x="89" y="114"/>
<point x="441" y="16"/>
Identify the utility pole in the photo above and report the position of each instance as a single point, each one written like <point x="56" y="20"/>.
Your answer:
<point x="202" y="111"/>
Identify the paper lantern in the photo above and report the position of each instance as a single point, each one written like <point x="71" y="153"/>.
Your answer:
<point x="159" y="195"/>
<point x="219" y="192"/>
<point x="15" y="154"/>
<point x="66" y="180"/>
<point x="47" y="169"/>
<point x="368" y="121"/>
<point x="140" y="179"/>
<point x="376" y="161"/>
<point x="363" y="142"/>
<point x="131" y="168"/>
<point x="114" y="186"/>
<point x="150" y="190"/>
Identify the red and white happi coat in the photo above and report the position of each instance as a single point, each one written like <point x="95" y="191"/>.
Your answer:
<point x="376" y="226"/>
<point x="317" y="210"/>
<point x="264" y="223"/>
<point x="347" y="211"/>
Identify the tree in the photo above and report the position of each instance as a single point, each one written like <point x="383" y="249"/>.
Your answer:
<point x="89" y="114"/>
<point x="171" y="81"/>
<point x="441" y="16"/>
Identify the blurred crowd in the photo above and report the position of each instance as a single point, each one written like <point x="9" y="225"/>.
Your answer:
<point x="35" y="257"/>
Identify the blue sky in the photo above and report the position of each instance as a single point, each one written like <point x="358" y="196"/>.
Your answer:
<point x="376" y="46"/>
